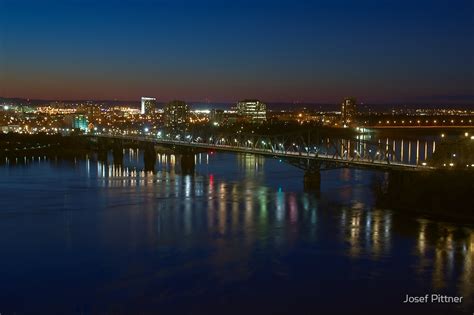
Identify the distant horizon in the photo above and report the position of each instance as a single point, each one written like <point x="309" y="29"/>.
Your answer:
<point x="432" y="100"/>
<point x="276" y="105"/>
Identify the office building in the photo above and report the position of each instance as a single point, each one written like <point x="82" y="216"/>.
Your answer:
<point x="348" y="111"/>
<point x="80" y="122"/>
<point x="252" y="111"/>
<point x="148" y="105"/>
<point x="176" y="115"/>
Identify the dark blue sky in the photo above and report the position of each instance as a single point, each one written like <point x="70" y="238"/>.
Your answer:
<point x="309" y="51"/>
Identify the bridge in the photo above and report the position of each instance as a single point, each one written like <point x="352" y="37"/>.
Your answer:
<point x="296" y="149"/>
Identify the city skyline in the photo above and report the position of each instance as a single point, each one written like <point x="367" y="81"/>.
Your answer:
<point x="275" y="51"/>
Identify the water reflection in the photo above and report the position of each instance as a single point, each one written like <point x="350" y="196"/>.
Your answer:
<point x="367" y="232"/>
<point x="250" y="164"/>
<point x="443" y="252"/>
<point x="410" y="151"/>
<point x="209" y="236"/>
<point x="449" y="249"/>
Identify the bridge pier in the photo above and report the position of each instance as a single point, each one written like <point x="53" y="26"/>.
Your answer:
<point x="102" y="150"/>
<point x="312" y="180"/>
<point x="149" y="157"/>
<point x="102" y="155"/>
<point x="187" y="164"/>
<point x="117" y="152"/>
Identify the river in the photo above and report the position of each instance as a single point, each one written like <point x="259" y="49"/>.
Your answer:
<point x="239" y="236"/>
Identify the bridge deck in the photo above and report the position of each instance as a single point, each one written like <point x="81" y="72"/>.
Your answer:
<point x="307" y="156"/>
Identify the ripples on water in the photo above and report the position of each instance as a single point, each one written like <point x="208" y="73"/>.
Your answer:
<point x="240" y="236"/>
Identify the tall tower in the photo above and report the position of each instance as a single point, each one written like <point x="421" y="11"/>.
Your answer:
<point x="348" y="110"/>
<point x="176" y="114"/>
<point x="148" y="105"/>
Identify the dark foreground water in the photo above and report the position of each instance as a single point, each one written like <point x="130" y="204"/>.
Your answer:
<point x="239" y="237"/>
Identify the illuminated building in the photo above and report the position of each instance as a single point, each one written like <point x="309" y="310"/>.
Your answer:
<point x="92" y="112"/>
<point x="80" y="122"/>
<point x="252" y="111"/>
<point x="217" y="116"/>
<point x="348" y="110"/>
<point x="176" y="115"/>
<point x="148" y="105"/>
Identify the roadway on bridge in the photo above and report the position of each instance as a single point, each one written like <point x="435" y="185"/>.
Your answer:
<point x="355" y="162"/>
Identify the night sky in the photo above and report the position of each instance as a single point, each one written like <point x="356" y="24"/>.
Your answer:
<point x="279" y="51"/>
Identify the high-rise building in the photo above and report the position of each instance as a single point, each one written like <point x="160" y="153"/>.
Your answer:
<point x="92" y="112"/>
<point x="252" y="111"/>
<point x="216" y="116"/>
<point x="348" y="110"/>
<point x="80" y="122"/>
<point x="176" y="115"/>
<point x="148" y="105"/>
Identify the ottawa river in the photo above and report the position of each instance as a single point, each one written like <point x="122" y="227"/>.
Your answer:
<point x="241" y="236"/>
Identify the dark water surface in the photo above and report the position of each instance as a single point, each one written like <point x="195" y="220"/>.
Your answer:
<point x="239" y="237"/>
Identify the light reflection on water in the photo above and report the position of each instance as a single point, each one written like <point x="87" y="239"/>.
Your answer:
<point x="409" y="151"/>
<point x="239" y="233"/>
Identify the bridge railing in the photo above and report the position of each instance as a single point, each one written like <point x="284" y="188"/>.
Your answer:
<point x="347" y="151"/>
